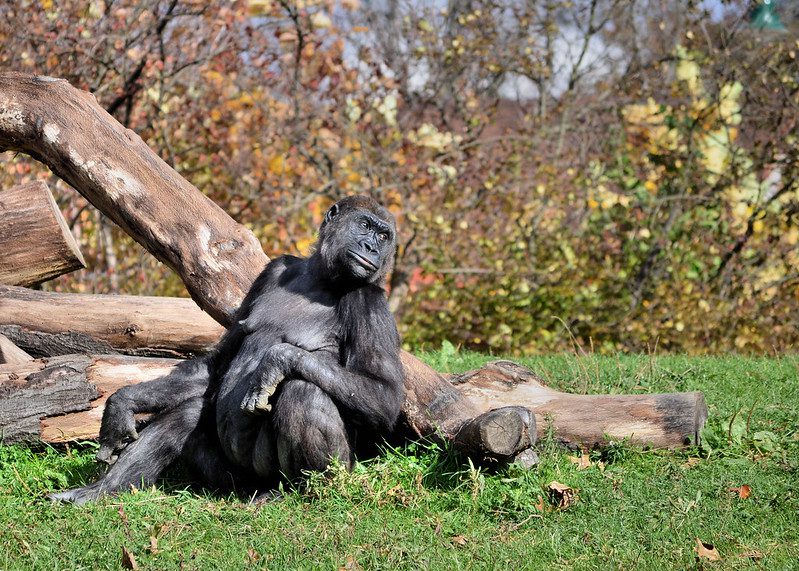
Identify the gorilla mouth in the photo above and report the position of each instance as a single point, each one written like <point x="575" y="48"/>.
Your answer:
<point x="365" y="262"/>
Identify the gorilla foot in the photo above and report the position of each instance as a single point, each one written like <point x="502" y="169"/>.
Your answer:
<point x="79" y="496"/>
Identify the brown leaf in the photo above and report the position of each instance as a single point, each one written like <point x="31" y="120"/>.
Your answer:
<point x="252" y="555"/>
<point x="153" y="545"/>
<point x="743" y="491"/>
<point x="582" y="461"/>
<point x="458" y="540"/>
<point x="350" y="565"/>
<point x="562" y="495"/>
<point x="540" y="505"/>
<point x="128" y="561"/>
<point x="706" y="551"/>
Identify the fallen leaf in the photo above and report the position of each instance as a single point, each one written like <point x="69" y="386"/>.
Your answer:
<point x="692" y="463"/>
<point x="583" y="461"/>
<point x="562" y="495"/>
<point x="153" y="545"/>
<point x="252" y="555"/>
<point x="743" y="491"/>
<point x="128" y="561"/>
<point x="540" y="506"/>
<point x="350" y="565"/>
<point x="458" y="540"/>
<point x="706" y="551"/>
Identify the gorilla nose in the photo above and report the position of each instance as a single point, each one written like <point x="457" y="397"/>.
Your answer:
<point x="368" y="246"/>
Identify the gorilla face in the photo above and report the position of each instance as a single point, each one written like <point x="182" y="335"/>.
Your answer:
<point x="357" y="241"/>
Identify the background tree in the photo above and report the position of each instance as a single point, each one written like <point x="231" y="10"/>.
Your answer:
<point x="614" y="174"/>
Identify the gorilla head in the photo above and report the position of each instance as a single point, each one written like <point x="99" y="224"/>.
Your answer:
<point x="357" y="241"/>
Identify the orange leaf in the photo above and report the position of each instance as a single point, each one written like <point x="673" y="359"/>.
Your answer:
<point x="743" y="491"/>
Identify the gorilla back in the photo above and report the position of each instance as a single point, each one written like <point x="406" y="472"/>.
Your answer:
<point x="312" y="356"/>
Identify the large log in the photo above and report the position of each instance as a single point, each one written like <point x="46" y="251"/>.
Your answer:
<point x="112" y="167"/>
<point x="478" y="425"/>
<point x="61" y="399"/>
<point x="664" y="420"/>
<point x="36" y="242"/>
<point x="47" y="324"/>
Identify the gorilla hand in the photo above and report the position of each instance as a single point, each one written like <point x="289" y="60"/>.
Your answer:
<point x="279" y="362"/>
<point x="117" y="430"/>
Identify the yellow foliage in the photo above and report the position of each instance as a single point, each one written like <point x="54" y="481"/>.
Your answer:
<point x="645" y="121"/>
<point x="687" y="70"/>
<point x="429" y="136"/>
<point x="277" y="165"/>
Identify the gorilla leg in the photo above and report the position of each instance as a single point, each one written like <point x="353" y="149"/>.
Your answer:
<point x="310" y="431"/>
<point x="160" y="444"/>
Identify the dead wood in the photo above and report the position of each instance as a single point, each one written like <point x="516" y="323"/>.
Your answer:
<point x="47" y="324"/>
<point x="112" y="167"/>
<point x="37" y="243"/>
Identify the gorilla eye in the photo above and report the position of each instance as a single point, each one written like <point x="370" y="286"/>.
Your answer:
<point x="383" y="236"/>
<point x="364" y="225"/>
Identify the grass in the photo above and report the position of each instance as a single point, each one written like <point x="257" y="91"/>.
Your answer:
<point x="421" y="507"/>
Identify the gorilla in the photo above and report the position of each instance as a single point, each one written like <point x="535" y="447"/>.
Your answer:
<point x="312" y="357"/>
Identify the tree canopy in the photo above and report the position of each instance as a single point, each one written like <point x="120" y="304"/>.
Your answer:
<point x="617" y="175"/>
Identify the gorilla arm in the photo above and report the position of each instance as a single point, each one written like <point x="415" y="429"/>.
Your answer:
<point x="374" y="397"/>
<point x="365" y="378"/>
<point x="189" y="379"/>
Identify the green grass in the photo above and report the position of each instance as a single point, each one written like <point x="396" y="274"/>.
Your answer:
<point x="420" y="507"/>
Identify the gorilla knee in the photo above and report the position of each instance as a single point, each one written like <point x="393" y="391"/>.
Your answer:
<point x="310" y="431"/>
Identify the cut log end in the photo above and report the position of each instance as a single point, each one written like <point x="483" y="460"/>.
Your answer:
<point x="10" y="354"/>
<point x="498" y="433"/>
<point x="37" y="243"/>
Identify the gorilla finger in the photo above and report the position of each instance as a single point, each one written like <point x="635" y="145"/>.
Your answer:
<point x="108" y="454"/>
<point x="248" y="404"/>
<point x="262" y="400"/>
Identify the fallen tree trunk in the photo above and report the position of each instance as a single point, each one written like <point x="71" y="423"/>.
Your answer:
<point x="37" y="243"/>
<point x="69" y="392"/>
<point x="112" y="167"/>
<point x="664" y="420"/>
<point x="61" y="399"/>
<point x="47" y="324"/>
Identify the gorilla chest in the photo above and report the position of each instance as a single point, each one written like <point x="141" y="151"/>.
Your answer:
<point x="293" y="318"/>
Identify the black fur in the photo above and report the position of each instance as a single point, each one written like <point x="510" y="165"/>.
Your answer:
<point x="312" y="357"/>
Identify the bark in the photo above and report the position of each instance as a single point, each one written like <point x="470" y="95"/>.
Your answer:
<point x="68" y="393"/>
<point x="47" y="324"/>
<point x="117" y="172"/>
<point x="37" y="243"/>
<point x="61" y="399"/>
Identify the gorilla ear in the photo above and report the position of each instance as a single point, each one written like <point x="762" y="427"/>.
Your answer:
<point x="331" y="213"/>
